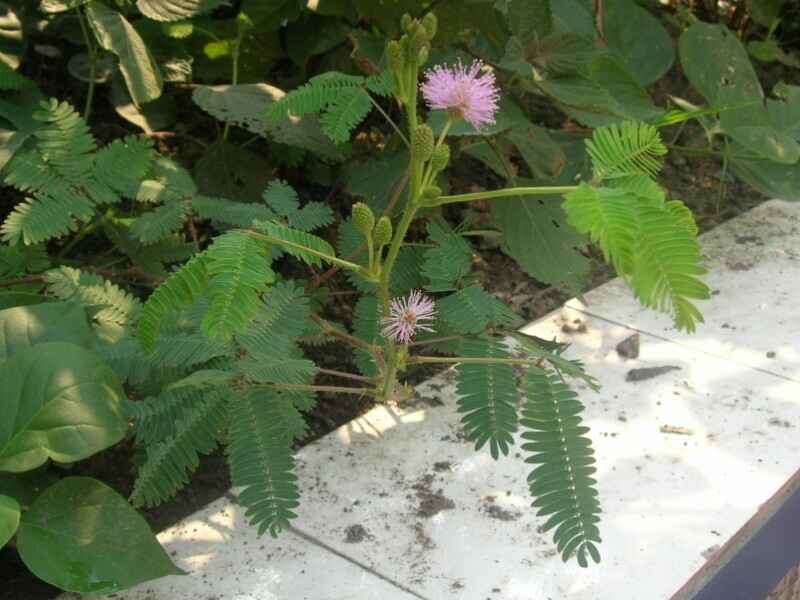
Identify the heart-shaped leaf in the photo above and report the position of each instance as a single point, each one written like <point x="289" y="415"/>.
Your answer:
<point x="23" y="326"/>
<point x="59" y="401"/>
<point x="81" y="536"/>
<point x="9" y="518"/>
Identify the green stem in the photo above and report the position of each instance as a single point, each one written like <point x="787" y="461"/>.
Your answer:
<point x="92" y="52"/>
<point x="345" y="264"/>
<point x="504" y="193"/>
<point x="433" y="360"/>
<point x="332" y="389"/>
<point x="389" y="120"/>
<point x="234" y="76"/>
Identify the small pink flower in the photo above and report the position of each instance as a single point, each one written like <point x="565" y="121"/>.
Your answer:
<point x="463" y="91"/>
<point x="406" y="316"/>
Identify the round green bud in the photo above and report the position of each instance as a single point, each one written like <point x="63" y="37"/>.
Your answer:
<point x="431" y="24"/>
<point x="363" y="218"/>
<point x="394" y="52"/>
<point x="440" y="158"/>
<point x="383" y="232"/>
<point x="432" y="192"/>
<point x="406" y="22"/>
<point x="422" y="143"/>
<point x="422" y="57"/>
<point x="419" y="37"/>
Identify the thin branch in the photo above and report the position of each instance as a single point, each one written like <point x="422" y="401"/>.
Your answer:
<point x="331" y="329"/>
<point x="505" y="193"/>
<point x="389" y="120"/>
<point x="332" y="389"/>
<point x="344" y="375"/>
<point x="433" y="360"/>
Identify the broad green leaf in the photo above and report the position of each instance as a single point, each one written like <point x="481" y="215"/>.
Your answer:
<point x="13" y="299"/>
<point x="243" y="106"/>
<point x="536" y="234"/>
<point x="271" y="14"/>
<point x="374" y="180"/>
<point x="529" y="19"/>
<point x="770" y="178"/>
<point x="785" y="113"/>
<point x="157" y="115"/>
<point x="230" y="171"/>
<point x="81" y="536"/>
<point x="117" y="35"/>
<point x="386" y="13"/>
<point x="175" y="10"/>
<point x="605" y="93"/>
<point x="60" y="401"/>
<point x="639" y="39"/>
<point x="23" y="326"/>
<point x="9" y="518"/>
<point x="717" y="65"/>
<point x="764" y="12"/>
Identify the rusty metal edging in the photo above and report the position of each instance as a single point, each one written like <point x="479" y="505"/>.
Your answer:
<point x="756" y="558"/>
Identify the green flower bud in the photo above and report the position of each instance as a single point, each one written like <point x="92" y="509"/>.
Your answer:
<point x="406" y="22"/>
<point x="431" y="24"/>
<point x="394" y="53"/>
<point x="419" y="37"/>
<point x="422" y="142"/>
<point x="440" y="158"/>
<point x="363" y="218"/>
<point x="422" y="57"/>
<point x="383" y="232"/>
<point x="432" y="192"/>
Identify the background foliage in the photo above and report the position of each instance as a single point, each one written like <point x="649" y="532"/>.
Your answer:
<point x="169" y="212"/>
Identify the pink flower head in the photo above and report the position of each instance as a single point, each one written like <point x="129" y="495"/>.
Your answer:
<point x="465" y="92"/>
<point x="406" y="316"/>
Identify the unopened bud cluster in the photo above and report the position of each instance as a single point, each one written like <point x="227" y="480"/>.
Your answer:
<point x="411" y="52"/>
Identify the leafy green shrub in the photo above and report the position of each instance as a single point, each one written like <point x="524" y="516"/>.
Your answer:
<point x="200" y="297"/>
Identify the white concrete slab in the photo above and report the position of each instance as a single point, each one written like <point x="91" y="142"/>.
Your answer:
<point x="227" y="561"/>
<point x="455" y="524"/>
<point x="752" y="316"/>
<point x="397" y="499"/>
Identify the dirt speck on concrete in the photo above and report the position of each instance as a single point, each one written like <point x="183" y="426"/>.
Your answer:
<point x="776" y="422"/>
<point x="497" y="512"/>
<point x="431" y="502"/>
<point x="422" y="539"/>
<point x="442" y="466"/>
<point x="355" y="534"/>
<point x="645" y="373"/>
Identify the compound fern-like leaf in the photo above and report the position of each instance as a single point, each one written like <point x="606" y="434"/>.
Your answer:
<point x="487" y="396"/>
<point x="263" y="428"/>
<point x="625" y="149"/>
<point x="239" y="272"/>
<point x="169" y="463"/>
<point x="178" y="292"/>
<point x="561" y="483"/>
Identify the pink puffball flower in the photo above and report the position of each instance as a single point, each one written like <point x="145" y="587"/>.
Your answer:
<point x="463" y="92"/>
<point x="407" y="316"/>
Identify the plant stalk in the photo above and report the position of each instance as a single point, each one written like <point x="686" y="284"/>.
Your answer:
<point x="504" y="193"/>
<point x="92" y="52"/>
